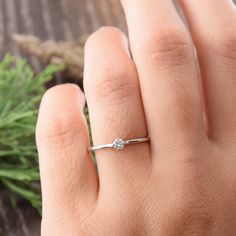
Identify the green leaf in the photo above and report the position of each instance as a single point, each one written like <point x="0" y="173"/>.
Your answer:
<point x="20" y="93"/>
<point x="20" y="174"/>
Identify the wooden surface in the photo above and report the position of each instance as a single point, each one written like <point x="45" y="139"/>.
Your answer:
<point x="22" y="220"/>
<point x="47" y="19"/>
<point x="57" y="20"/>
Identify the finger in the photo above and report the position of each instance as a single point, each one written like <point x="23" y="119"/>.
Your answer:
<point x="164" y="57"/>
<point x="115" y="106"/>
<point x="68" y="176"/>
<point x="214" y="33"/>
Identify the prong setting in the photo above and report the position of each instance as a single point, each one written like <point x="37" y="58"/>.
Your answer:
<point x="118" y="144"/>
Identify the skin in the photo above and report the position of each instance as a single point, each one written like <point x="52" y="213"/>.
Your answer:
<point x="184" y="181"/>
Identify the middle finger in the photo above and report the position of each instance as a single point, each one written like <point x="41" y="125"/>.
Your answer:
<point x="164" y="56"/>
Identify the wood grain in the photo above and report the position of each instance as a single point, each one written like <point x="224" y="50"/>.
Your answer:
<point x="58" y="20"/>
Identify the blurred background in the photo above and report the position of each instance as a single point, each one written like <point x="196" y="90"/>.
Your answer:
<point x="60" y="20"/>
<point x="56" y="20"/>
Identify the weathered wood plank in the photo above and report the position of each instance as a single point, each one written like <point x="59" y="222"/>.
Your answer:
<point x="58" y="20"/>
<point x="20" y="221"/>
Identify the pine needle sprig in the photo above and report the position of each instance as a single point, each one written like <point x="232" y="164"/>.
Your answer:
<point x="20" y="94"/>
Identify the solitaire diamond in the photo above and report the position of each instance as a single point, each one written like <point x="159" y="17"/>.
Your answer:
<point x="118" y="144"/>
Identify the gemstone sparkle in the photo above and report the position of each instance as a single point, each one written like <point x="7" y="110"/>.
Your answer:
<point x="118" y="144"/>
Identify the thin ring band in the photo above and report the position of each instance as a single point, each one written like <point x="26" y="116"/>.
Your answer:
<point x="119" y="143"/>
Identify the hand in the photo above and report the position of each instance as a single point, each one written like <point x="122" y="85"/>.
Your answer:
<point x="181" y="183"/>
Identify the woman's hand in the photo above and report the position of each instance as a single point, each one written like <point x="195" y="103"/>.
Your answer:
<point x="184" y="181"/>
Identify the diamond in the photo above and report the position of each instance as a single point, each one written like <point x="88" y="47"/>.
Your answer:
<point x="118" y="144"/>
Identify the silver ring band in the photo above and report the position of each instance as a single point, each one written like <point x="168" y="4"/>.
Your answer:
<point x="119" y="143"/>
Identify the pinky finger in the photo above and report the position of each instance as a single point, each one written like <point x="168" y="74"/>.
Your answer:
<point x="68" y="176"/>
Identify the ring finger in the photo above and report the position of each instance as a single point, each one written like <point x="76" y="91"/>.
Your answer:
<point x="115" y="107"/>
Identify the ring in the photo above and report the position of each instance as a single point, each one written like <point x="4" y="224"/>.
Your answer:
<point x="119" y="143"/>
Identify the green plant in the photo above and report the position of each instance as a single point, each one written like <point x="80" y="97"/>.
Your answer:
<point x="20" y="94"/>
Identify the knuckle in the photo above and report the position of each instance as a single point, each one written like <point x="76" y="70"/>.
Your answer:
<point x="167" y="48"/>
<point x="111" y="81"/>
<point x="60" y="130"/>
<point x="186" y="217"/>
<point x="197" y="206"/>
<point x="58" y="127"/>
<point x="224" y="43"/>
